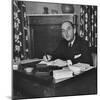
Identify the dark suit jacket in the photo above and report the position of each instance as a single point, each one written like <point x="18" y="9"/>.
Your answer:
<point x="79" y="52"/>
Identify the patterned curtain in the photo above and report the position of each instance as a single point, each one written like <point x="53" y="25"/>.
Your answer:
<point x="88" y="24"/>
<point x="20" y="32"/>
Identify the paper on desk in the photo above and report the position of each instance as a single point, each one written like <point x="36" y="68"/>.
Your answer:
<point x="30" y="60"/>
<point x="62" y="74"/>
<point x="80" y="67"/>
<point x="47" y="63"/>
<point x="57" y="62"/>
<point x="67" y="72"/>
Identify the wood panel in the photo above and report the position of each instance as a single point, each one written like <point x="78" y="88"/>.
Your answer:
<point x="45" y="33"/>
<point x="46" y="39"/>
<point x="37" y="20"/>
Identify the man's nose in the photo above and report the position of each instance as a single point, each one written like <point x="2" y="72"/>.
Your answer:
<point x="66" y="31"/>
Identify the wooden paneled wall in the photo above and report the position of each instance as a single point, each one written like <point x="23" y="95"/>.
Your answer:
<point x="45" y="33"/>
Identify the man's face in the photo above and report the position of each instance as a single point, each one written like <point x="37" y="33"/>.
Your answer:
<point x="67" y="31"/>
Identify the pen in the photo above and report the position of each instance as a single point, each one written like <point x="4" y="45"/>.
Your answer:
<point x="46" y="56"/>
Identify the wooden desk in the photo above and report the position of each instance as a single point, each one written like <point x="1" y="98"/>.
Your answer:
<point x="33" y="87"/>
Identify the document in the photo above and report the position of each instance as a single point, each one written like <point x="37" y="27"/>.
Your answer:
<point x="80" y="67"/>
<point x="46" y="62"/>
<point x="30" y="60"/>
<point x="57" y="62"/>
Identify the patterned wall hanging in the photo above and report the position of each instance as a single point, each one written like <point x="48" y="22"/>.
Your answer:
<point x="88" y="24"/>
<point x="20" y="33"/>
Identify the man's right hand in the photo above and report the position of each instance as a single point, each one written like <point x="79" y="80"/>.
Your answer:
<point x="69" y="62"/>
<point x="47" y="57"/>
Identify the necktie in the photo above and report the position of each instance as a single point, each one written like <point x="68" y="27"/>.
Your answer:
<point x="69" y="44"/>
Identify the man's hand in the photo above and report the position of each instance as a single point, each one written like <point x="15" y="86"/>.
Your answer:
<point x="59" y="62"/>
<point x="47" y="57"/>
<point x="69" y="62"/>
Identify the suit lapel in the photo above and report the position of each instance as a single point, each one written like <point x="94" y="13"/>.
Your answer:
<point x="75" y="48"/>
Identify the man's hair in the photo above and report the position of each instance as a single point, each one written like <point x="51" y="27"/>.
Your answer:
<point x="68" y="22"/>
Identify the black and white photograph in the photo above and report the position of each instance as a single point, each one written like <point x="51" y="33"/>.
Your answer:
<point x="54" y="49"/>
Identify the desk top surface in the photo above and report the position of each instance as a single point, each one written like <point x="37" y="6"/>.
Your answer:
<point x="85" y="83"/>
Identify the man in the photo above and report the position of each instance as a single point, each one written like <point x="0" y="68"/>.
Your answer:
<point x="72" y="48"/>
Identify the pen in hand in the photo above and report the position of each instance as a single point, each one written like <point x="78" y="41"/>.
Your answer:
<point x="47" y="57"/>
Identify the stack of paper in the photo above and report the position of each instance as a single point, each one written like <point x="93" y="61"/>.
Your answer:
<point x="60" y="75"/>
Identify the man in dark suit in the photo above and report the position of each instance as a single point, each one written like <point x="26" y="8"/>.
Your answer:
<point x="71" y="48"/>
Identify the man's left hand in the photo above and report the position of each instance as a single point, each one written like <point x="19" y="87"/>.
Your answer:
<point x="59" y="62"/>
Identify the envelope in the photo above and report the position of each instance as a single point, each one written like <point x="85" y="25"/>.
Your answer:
<point x="77" y="56"/>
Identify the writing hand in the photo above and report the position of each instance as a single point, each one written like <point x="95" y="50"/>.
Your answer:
<point x="47" y="57"/>
<point x="69" y="62"/>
